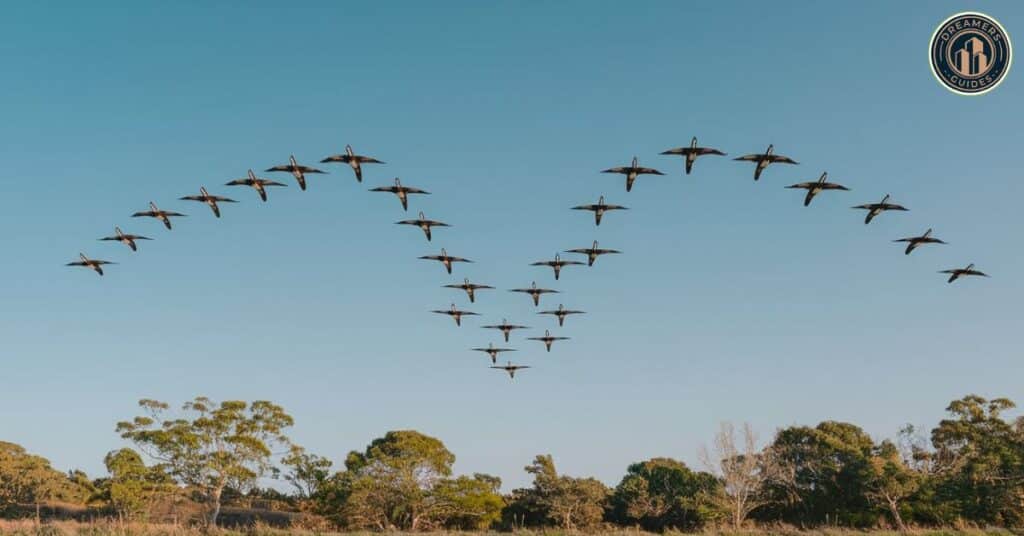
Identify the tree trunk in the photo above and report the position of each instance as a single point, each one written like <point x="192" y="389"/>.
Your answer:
<point x="895" y="511"/>
<point x="214" y="506"/>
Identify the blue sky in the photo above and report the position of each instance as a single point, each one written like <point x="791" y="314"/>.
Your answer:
<point x="731" y="302"/>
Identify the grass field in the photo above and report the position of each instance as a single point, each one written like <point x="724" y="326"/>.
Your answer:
<point x="107" y="528"/>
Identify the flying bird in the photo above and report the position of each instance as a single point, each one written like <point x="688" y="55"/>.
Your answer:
<point x="875" y="209"/>
<point x="256" y="183"/>
<point x="354" y="160"/>
<point x="535" y="292"/>
<point x="470" y="288"/>
<point x="816" y="187"/>
<point x="956" y="273"/>
<point x="511" y="369"/>
<point x="445" y="259"/>
<point x="914" y="241"/>
<point x="505" y="328"/>
<point x="599" y="209"/>
<point x="162" y="215"/>
<point x="423" y="223"/>
<point x="692" y="152"/>
<point x="548" y="339"/>
<point x="401" y="191"/>
<point x="126" y="239"/>
<point x="456" y="314"/>
<point x="764" y="159"/>
<point x="297" y="171"/>
<point x="593" y="252"/>
<point x="493" y="352"/>
<point x="95" y="265"/>
<point x="561" y="313"/>
<point x="633" y="171"/>
<point x="210" y="200"/>
<point x="556" y="264"/>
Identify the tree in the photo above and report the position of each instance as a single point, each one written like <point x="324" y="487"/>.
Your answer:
<point x="564" y="501"/>
<point x="470" y="503"/>
<point x="662" y="493"/>
<point x="28" y="479"/>
<point x="392" y="484"/>
<point x="307" y="472"/>
<point x="132" y="485"/>
<point x="891" y="481"/>
<point x="831" y="471"/>
<point x="746" y="475"/>
<point x="983" y="459"/>
<point x="216" y="446"/>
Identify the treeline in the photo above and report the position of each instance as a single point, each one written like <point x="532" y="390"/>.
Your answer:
<point x="969" y="471"/>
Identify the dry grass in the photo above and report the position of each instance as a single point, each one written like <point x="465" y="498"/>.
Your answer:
<point x="113" y="528"/>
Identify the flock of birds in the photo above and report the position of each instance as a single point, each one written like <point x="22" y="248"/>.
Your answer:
<point x="402" y="192"/>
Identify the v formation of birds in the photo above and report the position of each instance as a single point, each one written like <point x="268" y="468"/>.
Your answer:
<point x="631" y="172"/>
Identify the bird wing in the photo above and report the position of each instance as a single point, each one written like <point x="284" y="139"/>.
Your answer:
<point x="677" y="150"/>
<point x="779" y="159"/>
<point x="148" y="213"/>
<point x="268" y="182"/>
<point x="238" y="182"/>
<point x="708" y="150"/>
<point x="585" y="207"/>
<point x="307" y="169"/>
<point x="391" y="189"/>
<point x="833" y="186"/>
<point x="410" y="190"/>
<point x="616" y="170"/>
<point x="368" y="160"/>
<point x="335" y="158"/>
<point x="804" y="185"/>
<point x="281" y="168"/>
<point x="192" y="198"/>
<point x="648" y="171"/>
<point x="750" y="157"/>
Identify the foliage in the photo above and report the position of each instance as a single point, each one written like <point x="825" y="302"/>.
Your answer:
<point x="221" y="445"/>
<point x="306" y="472"/>
<point x="132" y="485"/>
<point x="29" y="479"/>
<point x="564" y="501"/>
<point x="662" y="493"/>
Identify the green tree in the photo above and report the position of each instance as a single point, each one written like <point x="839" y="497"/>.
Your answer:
<point x="662" y="493"/>
<point x="564" y="501"/>
<point x="214" y="446"/>
<point x="392" y="483"/>
<point x="306" y="472"/>
<point x="980" y="459"/>
<point x="891" y="482"/>
<point x="132" y="485"/>
<point x="831" y="472"/>
<point x="29" y="479"/>
<point x="470" y="503"/>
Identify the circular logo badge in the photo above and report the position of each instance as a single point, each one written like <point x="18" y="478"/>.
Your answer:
<point x="970" y="53"/>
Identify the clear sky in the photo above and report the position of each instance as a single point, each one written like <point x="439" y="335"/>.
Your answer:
<point x="732" y="301"/>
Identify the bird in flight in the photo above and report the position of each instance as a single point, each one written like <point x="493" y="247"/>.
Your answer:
<point x="548" y="339"/>
<point x="692" y="152"/>
<point x="914" y="241"/>
<point x="423" y="223"/>
<point x="875" y="209"/>
<point x="816" y="187"/>
<point x="456" y="314"/>
<point x="126" y="239"/>
<point x="511" y="369"/>
<point x="561" y="313"/>
<point x="445" y="259"/>
<point x="764" y="159"/>
<point x="470" y="288"/>
<point x="95" y="265"/>
<point x="505" y="328"/>
<point x="297" y="171"/>
<point x="354" y="160"/>
<point x="535" y="292"/>
<point x="633" y="171"/>
<point x="593" y="252"/>
<point x="210" y="200"/>
<point x="599" y="209"/>
<point x="162" y="215"/>
<point x="956" y="273"/>
<point x="401" y="191"/>
<point x="556" y="264"/>
<point x="493" y="352"/>
<point x="256" y="183"/>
